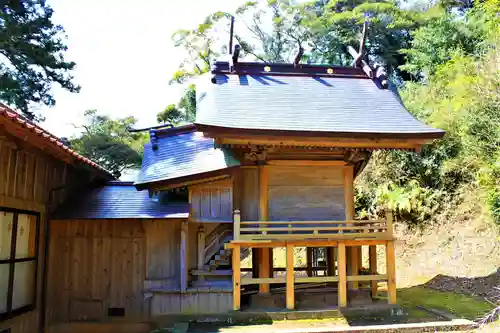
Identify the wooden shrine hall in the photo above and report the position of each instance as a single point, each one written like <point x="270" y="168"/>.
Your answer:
<point x="269" y="164"/>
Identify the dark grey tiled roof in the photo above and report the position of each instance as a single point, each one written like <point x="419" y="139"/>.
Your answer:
<point x="182" y="155"/>
<point x="118" y="202"/>
<point x="305" y="103"/>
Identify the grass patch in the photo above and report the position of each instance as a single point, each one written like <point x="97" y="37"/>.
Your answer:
<point x="460" y="305"/>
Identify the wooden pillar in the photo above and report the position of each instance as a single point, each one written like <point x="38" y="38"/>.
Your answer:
<point x="236" y="278"/>
<point x="237" y="188"/>
<point x="330" y="261"/>
<point x="342" y="288"/>
<point x="349" y="216"/>
<point x="255" y="263"/>
<point x="271" y="262"/>
<point x="349" y="192"/>
<point x="360" y="256"/>
<point x="201" y="247"/>
<point x="373" y="268"/>
<point x="353" y="265"/>
<point x="390" y="227"/>
<point x="391" y="272"/>
<point x="309" y="259"/>
<point x="264" y="269"/>
<point x="184" y="256"/>
<point x="290" y="279"/>
<point x="236" y="224"/>
<point x="264" y="255"/>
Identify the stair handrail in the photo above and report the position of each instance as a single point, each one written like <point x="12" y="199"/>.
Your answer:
<point x="213" y="240"/>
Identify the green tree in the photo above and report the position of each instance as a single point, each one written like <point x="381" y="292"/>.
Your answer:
<point x="188" y="103"/>
<point x="265" y="30"/>
<point x="335" y="24"/>
<point x="32" y="49"/>
<point x="183" y="112"/>
<point x="461" y="95"/>
<point x="433" y="44"/>
<point x="108" y="142"/>
<point x="170" y="115"/>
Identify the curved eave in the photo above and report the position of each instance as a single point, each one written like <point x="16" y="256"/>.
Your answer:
<point x="347" y="139"/>
<point x="185" y="180"/>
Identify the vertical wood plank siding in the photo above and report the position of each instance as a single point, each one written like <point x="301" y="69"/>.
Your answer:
<point x="96" y="265"/>
<point x="212" y="201"/>
<point x="26" y="177"/>
<point x="306" y="193"/>
<point x="250" y="194"/>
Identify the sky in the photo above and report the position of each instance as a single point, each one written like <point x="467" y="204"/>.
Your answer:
<point x="124" y="57"/>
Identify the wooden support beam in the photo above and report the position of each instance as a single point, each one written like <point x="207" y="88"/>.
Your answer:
<point x="255" y="244"/>
<point x="349" y="215"/>
<point x="309" y="260"/>
<point x="247" y="281"/>
<point x="330" y="163"/>
<point x="184" y="258"/>
<point x="373" y="268"/>
<point x="236" y="224"/>
<point x="236" y="278"/>
<point x="360" y="256"/>
<point x="330" y="261"/>
<point x="201" y="247"/>
<point x="349" y="192"/>
<point x="390" y="226"/>
<point x="354" y="266"/>
<point x="264" y="269"/>
<point x="271" y="262"/>
<point x="264" y="255"/>
<point x="255" y="261"/>
<point x="391" y="272"/>
<point x="290" y="290"/>
<point x="342" y="288"/>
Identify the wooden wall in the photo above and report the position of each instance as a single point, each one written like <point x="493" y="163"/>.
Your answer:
<point x="249" y="194"/>
<point x="163" y="247"/>
<point x="98" y="264"/>
<point x="27" y="176"/>
<point x="95" y="265"/>
<point x="306" y="193"/>
<point x="212" y="202"/>
<point x="192" y="303"/>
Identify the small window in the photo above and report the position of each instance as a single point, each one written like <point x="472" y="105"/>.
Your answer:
<point x="19" y="234"/>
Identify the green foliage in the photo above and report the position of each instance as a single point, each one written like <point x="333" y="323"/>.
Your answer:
<point x="183" y="112"/>
<point x="434" y="43"/>
<point x="108" y="142"/>
<point x="32" y="49"/>
<point x="461" y="96"/>
<point x="170" y="115"/>
<point x="335" y="24"/>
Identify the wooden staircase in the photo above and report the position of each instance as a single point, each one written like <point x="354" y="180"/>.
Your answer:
<point x="216" y="266"/>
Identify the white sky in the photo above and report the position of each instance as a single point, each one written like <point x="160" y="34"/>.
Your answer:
<point x="124" y="56"/>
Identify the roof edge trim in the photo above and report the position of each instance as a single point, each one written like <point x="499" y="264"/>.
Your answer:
<point x="220" y="130"/>
<point x="180" y="181"/>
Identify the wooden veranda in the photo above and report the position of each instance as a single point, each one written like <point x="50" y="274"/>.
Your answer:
<point x="346" y="237"/>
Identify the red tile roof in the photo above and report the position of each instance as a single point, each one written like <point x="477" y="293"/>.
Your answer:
<point x="53" y="140"/>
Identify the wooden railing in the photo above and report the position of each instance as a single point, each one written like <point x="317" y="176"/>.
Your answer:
<point x="286" y="230"/>
<point x="215" y="239"/>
